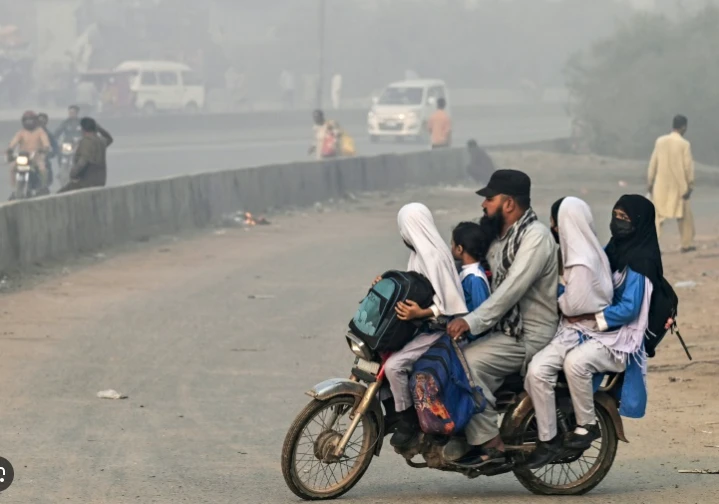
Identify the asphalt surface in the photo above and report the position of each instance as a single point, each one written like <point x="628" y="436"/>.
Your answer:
<point x="215" y="378"/>
<point x="134" y="157"/>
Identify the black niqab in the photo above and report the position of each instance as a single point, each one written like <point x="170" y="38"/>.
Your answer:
<point x="640" y="251"/>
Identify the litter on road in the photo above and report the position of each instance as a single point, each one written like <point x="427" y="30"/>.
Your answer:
<point x="110" y="394"/>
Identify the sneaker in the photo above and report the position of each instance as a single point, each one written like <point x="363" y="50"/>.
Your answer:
<point x="545" y="452"/>
<point x="576" y="441"/>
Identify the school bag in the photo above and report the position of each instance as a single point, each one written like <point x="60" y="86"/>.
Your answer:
<point x="663" y="306"/>
<point x="376" y="322"/>
<point x="443" y="391"/>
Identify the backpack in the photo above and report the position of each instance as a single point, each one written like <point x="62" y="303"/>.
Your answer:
<point x="444" y="394"/>
<point x="376" y="322"/>
<point x="663" y="306"/>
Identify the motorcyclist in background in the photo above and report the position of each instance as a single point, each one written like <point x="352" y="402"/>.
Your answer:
<point x="32" y="139"/>
<point x="69" y="130"/>
<point x="43" y="119"/>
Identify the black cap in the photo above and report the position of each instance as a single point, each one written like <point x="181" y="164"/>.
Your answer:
<point x="509" y="182"/>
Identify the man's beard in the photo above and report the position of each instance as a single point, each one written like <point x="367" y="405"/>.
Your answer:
<point x="493" y="224"/>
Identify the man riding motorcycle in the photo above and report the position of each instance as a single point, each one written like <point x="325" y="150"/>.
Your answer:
<point x="521" y="313"/>
<point x="33" y="139"/>
<point x="69" y="130"/>
<point x="68" y="136"/>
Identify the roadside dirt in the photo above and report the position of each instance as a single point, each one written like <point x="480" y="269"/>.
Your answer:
<point x="49" y="319"/>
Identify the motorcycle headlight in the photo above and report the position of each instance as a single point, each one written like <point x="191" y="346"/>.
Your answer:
<point x="22" y="160"/>
<point x="66" y="148"/>
<point x="358" y="347"/>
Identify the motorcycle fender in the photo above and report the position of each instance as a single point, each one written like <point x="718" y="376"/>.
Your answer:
<point x="334" y="387"/>
<point x="609" y="404"/>
<point x="514" y="417"/>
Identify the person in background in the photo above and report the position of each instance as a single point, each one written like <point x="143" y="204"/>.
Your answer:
<point x="43" y="119"/>
<point x="671" y="181"/>
<point x="90" y="166"/>
<point x="32" y="139"/>
<point x="325" y="145"/>
<point x="470" y="244"/>
<point x="440" y="126"/>
<point x="480" y="166"/>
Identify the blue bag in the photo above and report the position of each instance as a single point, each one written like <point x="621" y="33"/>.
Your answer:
<point x="444" y="394"/>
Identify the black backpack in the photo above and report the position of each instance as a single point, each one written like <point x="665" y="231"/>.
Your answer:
<point x="663" y="306"/>
<point x="376" y="322"/>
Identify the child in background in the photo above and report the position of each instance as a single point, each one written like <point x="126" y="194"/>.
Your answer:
<point x="470" y="243"/>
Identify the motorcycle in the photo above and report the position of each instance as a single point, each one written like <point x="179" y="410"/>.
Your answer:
<point x="27" y="177"/>
<point x="333" y="440"/>
<point x="67" y="155"/>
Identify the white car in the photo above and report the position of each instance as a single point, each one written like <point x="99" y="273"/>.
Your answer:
<point x="403" y="109"/>
<point x="164" y="86"/>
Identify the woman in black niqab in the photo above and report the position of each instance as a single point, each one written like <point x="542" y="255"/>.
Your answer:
<point x="636" y="245"/>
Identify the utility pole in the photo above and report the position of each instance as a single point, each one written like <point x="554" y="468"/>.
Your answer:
<point x="320" y="80"/>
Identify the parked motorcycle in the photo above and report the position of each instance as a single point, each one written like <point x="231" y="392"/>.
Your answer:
<point x="27" y="177"/>
<point x="331" y="443"/>
<point x="67" y="156"/>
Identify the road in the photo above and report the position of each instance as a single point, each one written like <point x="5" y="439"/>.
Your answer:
<point x="214" y="378"/>
<point x="134" y="158"/>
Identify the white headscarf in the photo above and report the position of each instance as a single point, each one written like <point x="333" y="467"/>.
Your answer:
<point x="431" y="257"/>
<point x="580" y="247"/>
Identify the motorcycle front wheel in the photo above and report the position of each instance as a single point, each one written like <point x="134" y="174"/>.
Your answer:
<point x="572" y="473"/>
<point x="22" y="190"/>
<point x="308" y="467"/>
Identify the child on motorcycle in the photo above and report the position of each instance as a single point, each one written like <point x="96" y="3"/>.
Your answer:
<point x="470" y="243"/>
<point x="430" y="256"/>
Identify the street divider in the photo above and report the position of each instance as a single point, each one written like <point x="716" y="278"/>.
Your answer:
<point x="53" y="227"/>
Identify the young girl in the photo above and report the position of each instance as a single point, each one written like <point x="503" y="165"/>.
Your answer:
<point x="430" y="256"/>
<point x="470" y="243"/>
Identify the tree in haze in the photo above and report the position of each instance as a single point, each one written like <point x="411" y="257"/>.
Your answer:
<point x="626" y="89"/>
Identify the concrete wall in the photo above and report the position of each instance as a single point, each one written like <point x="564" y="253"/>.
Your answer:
<point x="58" y="226"/>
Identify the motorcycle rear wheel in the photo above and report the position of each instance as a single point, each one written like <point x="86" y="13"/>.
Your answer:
<point x="298" y="465"/>
<point x="576" y="474"/>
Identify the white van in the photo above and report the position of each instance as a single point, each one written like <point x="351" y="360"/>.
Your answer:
<point x="403" y="109"/>
<point x="164" y="86"/>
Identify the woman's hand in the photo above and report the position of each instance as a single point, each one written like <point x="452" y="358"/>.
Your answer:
<point x="408" y="311"/>
<point x="670" y="322"/>
<point x="376" y="280"/>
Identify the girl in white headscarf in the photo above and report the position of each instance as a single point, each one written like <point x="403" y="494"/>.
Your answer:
<point x="430" y="256"/>
<point x="585" y="287"/>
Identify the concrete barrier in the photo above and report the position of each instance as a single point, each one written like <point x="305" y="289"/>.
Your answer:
<point x="58" y="226"/>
